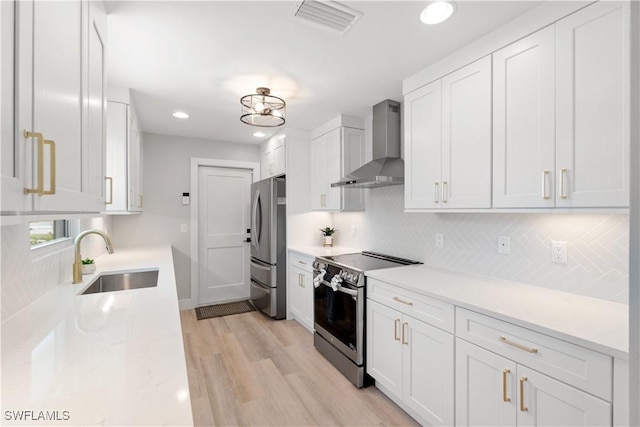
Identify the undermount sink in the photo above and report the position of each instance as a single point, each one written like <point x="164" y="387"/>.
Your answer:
<point x="123" y="281"/>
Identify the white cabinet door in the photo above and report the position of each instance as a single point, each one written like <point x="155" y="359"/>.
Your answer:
<point x="307" y="300"/>
<point x="333" y="200"/>
<point x="384" y="348"/>
<point x="279" y="157"/>
<point x="422" y="145"/>
<point x="57" y="102"/>
<point x="296" y="294"/>
<point x="466" y="136"/>
<point x="135" y="164"/>
<point x="319" y="175"/>
<point x="117" y="182"/>
<point x="352" y="155"/>
<point x="592" y="98"/>
<point x="97" y="104"/>
<point x="485" y="387"/>
<point x="548" y="402"/>
<point x="14" y="170"/>
<point x="524" y="122"/>
<point x="428" y="365"/>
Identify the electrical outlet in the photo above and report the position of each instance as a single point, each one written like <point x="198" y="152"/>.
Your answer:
<point x="439" y="240"/>
<point x="504" y="245"/>
<point x="559" y="252"/>
<point x="183" y="228"/>
<point x="353" y="230"/>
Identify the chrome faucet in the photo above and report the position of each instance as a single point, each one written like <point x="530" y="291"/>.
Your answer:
<point x="77" y="264"/>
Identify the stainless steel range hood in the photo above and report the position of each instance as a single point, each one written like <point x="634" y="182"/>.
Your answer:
<point x="386" y="168"/>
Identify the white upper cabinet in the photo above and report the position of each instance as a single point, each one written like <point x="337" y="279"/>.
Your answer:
<point x="335" y="154"/>
<point x="423" y="147"/>
<point x="273" y="156"/>
<point x="592" y="107"/>
<point x="448" y="141"/>
<point x="57" y="144"/>
<point x="124" y="155"/>
<point x="524" y="122"/>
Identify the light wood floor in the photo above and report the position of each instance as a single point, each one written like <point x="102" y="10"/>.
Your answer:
<point x="248" y="370"/>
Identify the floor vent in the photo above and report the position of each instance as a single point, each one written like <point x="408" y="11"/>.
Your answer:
<point x="326" y="14"/>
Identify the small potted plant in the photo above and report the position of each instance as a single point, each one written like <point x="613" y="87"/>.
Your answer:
<point x="88" y="266"/>
<point x="327" y="236"/>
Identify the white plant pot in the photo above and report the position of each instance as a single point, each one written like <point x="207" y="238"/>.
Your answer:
<point x="88" y="268"/>
<point x="327" y="240"/>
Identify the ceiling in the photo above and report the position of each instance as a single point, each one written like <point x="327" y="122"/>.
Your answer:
<point x="202" y="56"/>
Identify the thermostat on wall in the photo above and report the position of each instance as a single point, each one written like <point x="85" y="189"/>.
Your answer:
<point x="185" y="198"/>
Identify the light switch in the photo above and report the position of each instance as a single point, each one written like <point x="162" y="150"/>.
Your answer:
<point x="183" y="228"/>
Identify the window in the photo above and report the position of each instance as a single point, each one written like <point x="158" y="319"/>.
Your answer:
<point x="44" y="232"/>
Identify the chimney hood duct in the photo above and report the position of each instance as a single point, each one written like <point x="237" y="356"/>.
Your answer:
<point x="386" y="168"/>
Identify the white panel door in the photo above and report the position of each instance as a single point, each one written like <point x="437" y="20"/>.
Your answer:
<point x="524" y="122"/>
<point x="422" y="147"/>
<point x="485" y="387"/>
<point x="223" y="220"/>
<point x="592" y="107"/>
<point x="428" y="364"/>
<point x="57" y="101"/>
<point x="466" y="136"/>
<point x="384" y="349"/>
<point x="548" y="402"/>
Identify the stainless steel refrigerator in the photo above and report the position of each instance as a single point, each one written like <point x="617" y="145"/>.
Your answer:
<point x="269" y="246"/>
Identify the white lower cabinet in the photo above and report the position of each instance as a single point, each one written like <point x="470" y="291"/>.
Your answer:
<point x="300" y="284"/>
<point x="412" y="362"/>
<point x="493" y="390"/>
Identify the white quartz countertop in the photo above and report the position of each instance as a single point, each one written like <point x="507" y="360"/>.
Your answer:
<point x="597" y="324"/>
<point x="323" y="251"/>
<point x="113" y="358"/>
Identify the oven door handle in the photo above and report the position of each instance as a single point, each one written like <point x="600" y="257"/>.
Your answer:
<point x="341" y="289"/>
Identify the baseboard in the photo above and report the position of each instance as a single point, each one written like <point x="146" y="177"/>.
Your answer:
<point x="186" y="304"/>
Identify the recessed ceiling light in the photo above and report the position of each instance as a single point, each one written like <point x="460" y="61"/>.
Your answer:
<point x="259" y="134"/>
<point x="437" y="12"/>
<point x="180" y="115"/>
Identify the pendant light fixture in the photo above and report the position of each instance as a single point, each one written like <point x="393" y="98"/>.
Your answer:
<point x="262" y="109"/>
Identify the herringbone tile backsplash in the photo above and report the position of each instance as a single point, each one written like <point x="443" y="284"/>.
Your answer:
<point x="598" y="244"/>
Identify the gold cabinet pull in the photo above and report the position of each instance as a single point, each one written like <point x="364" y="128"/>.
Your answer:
<point x="522" y="407"/>
<point x="402" y="301"/>
<point x="520" y="346"/>
<point x="302" y="262"/>
<point x="405" y="338"/>
<point x="504" y="385"/>
<point x="544" y="184"/>
<point x="302" y="279"/>
<point x="110" y="181"/>
<point x="40" y="165"/>
<point x="140" y="198"/>
<point x="435" y="193"/>
<point x="396" y="325"/>
<point x="445" y="189"/>
<point x="299" y="279"/>
<point x="563" y="172"/>
<point x="52" y="168"/>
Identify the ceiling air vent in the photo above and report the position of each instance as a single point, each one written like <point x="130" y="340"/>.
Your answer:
<point x="326" y="14"/>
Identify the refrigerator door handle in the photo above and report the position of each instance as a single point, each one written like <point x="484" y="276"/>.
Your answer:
<point x="259" y="266"/>
<point x="254" y="221"/>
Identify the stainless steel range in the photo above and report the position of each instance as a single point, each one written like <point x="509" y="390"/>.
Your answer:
<point x="339" y="308"/>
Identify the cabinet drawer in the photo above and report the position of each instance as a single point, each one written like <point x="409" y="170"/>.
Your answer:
<point x="432" y="311"/>
<point x="583" y="368"/>
<point x="301" y="261"/>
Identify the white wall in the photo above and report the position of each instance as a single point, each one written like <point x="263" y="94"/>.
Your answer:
<point x="598" y="244"/>
<point x="25" y="277"/>
<point x="166" y="176"/>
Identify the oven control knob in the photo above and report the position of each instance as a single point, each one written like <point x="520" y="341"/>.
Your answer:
<point x="353" y="278"/>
